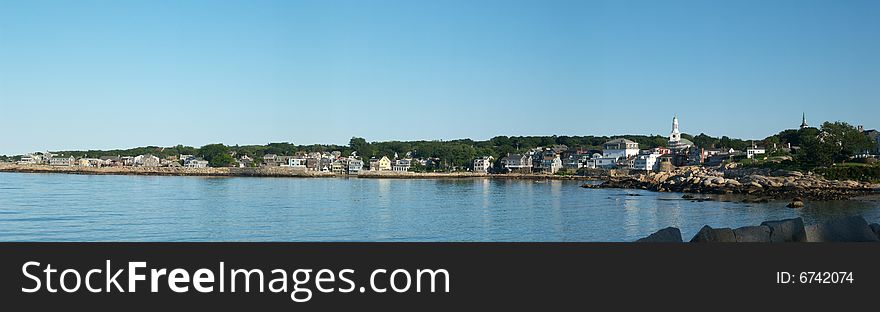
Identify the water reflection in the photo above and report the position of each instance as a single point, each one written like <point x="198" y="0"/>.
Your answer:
<point x="47" y="207"/>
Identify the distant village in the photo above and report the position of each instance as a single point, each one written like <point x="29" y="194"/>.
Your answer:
<point x="619" y="153"/>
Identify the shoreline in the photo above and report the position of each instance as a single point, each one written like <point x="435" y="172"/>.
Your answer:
<point x="273" y="172"/>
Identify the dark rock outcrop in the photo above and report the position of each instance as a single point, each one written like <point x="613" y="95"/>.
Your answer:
<point x="788" y="230"/>
<point x="667" y="235"/>
<point x="709" y="235"/>
<point x="796" y="203"/>
<point x="752" y="234"/>
<point x="847" y="229"/>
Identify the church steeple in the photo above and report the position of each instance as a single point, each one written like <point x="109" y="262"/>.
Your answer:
<point x="675" y="136"/>
<point x="804" y="122"/>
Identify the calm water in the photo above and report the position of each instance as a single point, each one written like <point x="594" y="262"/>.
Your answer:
<point x="60" y="207"/>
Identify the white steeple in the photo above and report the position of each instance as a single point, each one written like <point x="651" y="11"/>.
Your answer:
<point x="675" y="136"/>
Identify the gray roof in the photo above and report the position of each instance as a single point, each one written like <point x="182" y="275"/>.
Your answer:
<point x="620" y="140"/>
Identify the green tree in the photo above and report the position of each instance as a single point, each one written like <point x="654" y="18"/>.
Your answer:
<point x="217" y="155"/>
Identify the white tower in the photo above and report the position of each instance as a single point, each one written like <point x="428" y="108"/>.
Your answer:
<point x="675" y="136"/>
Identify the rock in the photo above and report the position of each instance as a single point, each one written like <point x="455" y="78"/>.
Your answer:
<point x="847" y="229"/>
<point x="795" y="203"/>
<point x="667" y="235"/>
<point x="752" y="234"/>
<point x="876" y="228"/>
<point x="709" y="235"/>
<point x="788" y="230"/>
<point x="687" y="196"/>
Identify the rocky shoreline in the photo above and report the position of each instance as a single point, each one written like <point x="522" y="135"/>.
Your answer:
<point x="846" y="229"/>
<point x="775" y="184"/>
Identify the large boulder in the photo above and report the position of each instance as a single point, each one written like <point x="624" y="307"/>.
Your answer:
<point x="847" y="229"/>
<point x="667" y="235"/>
<point x="752" y="234"/>
<point x="788" y="230"/>
<point x="709" y="235"/>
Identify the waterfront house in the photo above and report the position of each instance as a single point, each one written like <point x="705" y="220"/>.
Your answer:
<point x="401" y="165"/>
<point x="83" y="162"/>
<point x="295" y="162"/>
<point x="338" y="166"/>
<point x="147" y="160"/>
<point x="754" y="151"/>
<point x="31" y="159"/>
<point x="270" y="160"/>
<point x="195" y="163"/>
<point x="355" y="165"/>
<point x="483" y="164"/>
<point x="62" y="161"/>
<point x="647" y="161"/>
<point x="547" y="161"/>
<point x="111" y="161"/>
<point x="620" y="148"/>
<point x="519" y="163"/>
<point x="380" y="164"/>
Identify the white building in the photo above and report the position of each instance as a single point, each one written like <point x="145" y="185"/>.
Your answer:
<point x="195" y="163"/>
<point x="676" y="142"/>
<point x="401" y="165"/>
<point x="648" y="162"/>
<point x="146" y="161"/>
<point x="31" y="159"/>
<point x="517" y="162"/>
<point x="483" y="164"/>
<point x="752" y="151"/>
<point x="620" y="148"/>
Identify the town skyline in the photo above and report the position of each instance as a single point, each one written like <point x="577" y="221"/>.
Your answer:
<point x="804" y="120"/>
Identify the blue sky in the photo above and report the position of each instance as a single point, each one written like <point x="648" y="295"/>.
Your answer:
<point x="118" y="74"/>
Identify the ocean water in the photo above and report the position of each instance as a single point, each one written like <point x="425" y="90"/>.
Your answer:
<point x="62" y="207"/>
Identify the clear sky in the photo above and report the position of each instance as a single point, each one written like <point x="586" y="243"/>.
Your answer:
<point x="119" y="74"/>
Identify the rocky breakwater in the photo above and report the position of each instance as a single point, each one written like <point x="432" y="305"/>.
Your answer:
<point x="758" y="182"/>
<point x="846" y="229"/>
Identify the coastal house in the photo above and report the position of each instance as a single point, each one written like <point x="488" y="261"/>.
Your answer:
<point x="547" y="161"/>
<point x="295" y="162"/>
<point x="401" y="165"/>
<point x="83" y="162"/>
<point x="649" y="161"/>
<point x="111" y="161"/>
<point x="62" y="161"/>
<point x="195" y="163"/>
<point x="31" y="159"/>
<point x="338" y="166"/>
<point x="147" y="160"/>
<point x="380" y="164"/>
<point x="620" y="148"/>
<point x="355" y="165"/>
<point x="874" y="135"/>
<point x="519" y="163"/>
<point x="270" y="160"/>
<point x="754" y="151"/>
<point x="483" y="164"/>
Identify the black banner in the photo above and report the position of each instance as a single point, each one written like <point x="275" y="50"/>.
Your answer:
<point x="435" y="276"/>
